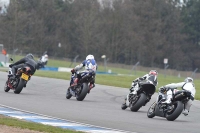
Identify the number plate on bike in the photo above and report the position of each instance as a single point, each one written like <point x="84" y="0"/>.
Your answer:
<point x="24" y="76"/>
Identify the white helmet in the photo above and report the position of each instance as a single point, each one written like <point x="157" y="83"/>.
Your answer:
<point x="46" y="56"/>
<point x="89" y="57"/>
<point x="188" y="79"/>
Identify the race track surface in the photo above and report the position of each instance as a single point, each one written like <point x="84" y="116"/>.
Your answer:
<point x="102" y="107"/>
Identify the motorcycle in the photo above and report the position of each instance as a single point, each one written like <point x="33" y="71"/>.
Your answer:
<point x="136" y="101"/>
<point x="170" y="111"/>
<point x="82" y="88"/>
<point x="21" y="78"/>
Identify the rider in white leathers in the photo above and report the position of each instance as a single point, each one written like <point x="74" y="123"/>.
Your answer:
<point x="188" y="84"/>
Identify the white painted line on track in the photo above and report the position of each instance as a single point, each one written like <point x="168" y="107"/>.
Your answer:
<point x="60" y="124"/>
<point x="53" y="121"/>
<point x="29" y="117"/>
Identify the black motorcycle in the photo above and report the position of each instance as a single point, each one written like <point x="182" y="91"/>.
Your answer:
<point x="170" y="111"/>
<point x="19" y="82"/>
<point x="146" y="90"/>
<point x="81" y="89"/>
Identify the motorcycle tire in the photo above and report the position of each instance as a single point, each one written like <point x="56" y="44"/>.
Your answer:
<point x="139" y="103"/>
<point x="176" y="111"/>
<point x="68" y="95"/>
<point x="6" y="88"/>
<point x="83" y="92"/>
<point x="20" y="86"/>
<point x="152" y="113"/>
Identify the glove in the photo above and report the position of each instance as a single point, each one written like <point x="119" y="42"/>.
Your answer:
<point x="11" y="65"/>
<point x="139" y="79"/>
<point x="73" y="71"/>
<point x="142" y="78"/>
<point x="136" y="80"/>
<point x="163" y="89"/>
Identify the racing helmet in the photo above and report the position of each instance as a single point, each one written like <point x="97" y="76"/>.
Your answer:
<point x="188" y="79"/>
<point x="30" y="56"/>
<point x="46" y="56"/>
<point x="89" y="57"/>
<point x="153" y="72"/>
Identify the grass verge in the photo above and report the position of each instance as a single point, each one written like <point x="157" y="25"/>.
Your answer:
<point x="32" y="126"/>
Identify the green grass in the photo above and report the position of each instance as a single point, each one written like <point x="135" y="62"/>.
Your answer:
<point x="32" y="126"/>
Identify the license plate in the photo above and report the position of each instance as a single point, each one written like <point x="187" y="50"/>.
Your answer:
<point x="24" y="76"/>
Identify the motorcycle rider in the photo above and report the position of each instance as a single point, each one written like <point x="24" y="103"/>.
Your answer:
<point x="152" y="76"/>
<point x="44" y="59"/>
<point x="90" y="67"/>
<point x="166" y="92"/>
<point x="28" y="60"/>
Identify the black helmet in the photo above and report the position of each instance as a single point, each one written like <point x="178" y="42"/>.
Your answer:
<point x="30" y="56"/>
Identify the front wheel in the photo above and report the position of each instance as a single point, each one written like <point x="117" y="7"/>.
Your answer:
<point x="6" y="88"/>
<point x="151" y="111"/>
<point x="83" y="93"/>
<point x="20" y="86"/>
<point x="139" y="103"/>
<point x="177" y="108"/>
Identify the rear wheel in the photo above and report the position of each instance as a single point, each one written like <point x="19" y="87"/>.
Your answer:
<point x="6" y="88"/>
<point x="139" y="103"/>
<point x="83" y="92"/>
<point x="20" y="86"/>
<point x="151" y="111"/>
<point x="177" y="108"/>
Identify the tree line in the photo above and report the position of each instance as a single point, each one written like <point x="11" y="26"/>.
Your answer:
<point x="126" y="31"/>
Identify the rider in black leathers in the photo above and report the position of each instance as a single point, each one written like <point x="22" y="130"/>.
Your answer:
<point x="28" y="60"/>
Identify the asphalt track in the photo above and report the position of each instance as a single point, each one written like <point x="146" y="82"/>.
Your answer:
<point x="102" y="107"/>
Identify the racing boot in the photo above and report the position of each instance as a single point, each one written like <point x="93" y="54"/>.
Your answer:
<point x="90" y="87"/>
<point x="124" y="105"/>
<point x="185" y="112"/>
<point x="126" y="102"/>
<point x="75" y="82"/>
<point x="25" y="84"/>
<point x="187" y="107"/>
